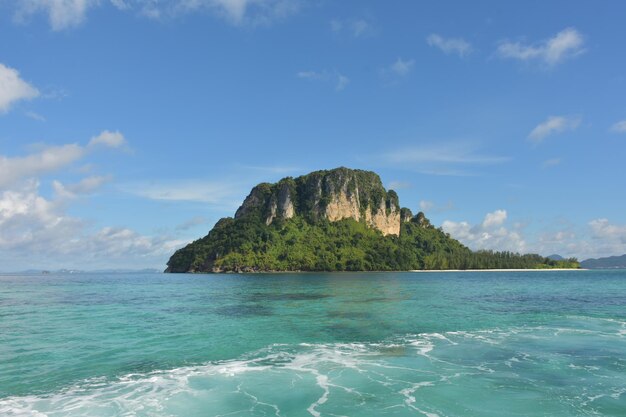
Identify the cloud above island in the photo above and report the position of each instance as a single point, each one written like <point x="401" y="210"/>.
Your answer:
<point x="619" y="127"/>
<point x="355" y="27"/>
<point x="456" y="46"/>
<point x="67" y="14"/>
<point x="339" y="80"/>
<point x="564" y="45"/>
<point x="454" y="158"/>
<point x="491" y="233"/>
<point x="51" y="158"/>
<point x="554" y="125"/>
<point x="37" y="231"/>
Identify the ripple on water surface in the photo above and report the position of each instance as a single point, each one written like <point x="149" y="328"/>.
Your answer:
<point x="528" y="371"/>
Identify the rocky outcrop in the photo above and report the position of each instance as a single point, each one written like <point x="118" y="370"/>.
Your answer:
<point x="334" y="195"/>
<point x="405" y="215"/>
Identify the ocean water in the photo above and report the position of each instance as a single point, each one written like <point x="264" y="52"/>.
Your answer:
<point x="352" y="344"/>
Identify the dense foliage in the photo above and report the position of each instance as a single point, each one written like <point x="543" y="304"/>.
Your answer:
<point x="299" y="244"/>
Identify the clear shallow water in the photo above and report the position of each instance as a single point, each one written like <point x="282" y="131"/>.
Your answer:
<point x="401" y="344"/>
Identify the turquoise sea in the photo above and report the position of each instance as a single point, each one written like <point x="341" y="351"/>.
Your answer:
<point x="352" y="344"/>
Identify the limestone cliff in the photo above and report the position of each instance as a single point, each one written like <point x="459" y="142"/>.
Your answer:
<point x="334" y="220"/>
<point x="333" y="195"/>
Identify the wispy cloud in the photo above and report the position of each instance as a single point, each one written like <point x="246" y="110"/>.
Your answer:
<point x="109" y="139"/>
<point x="38" y="228"/>
<point x="355" y="27"/>
<point x="554" y="125"/>
<point x="458" y="46"/>
<point x="566" y="44"/>
<point x="35" y="116"/>
<point x="62" y="14"/>
<point x="220" y="193"/>
<point x="453" y="153"/>
<point x="191" y="223"/>
<point x="13" y="88"/>
<point x="51" y="158"/>
<point x="447" y="158"/>
<point x="432" y="207"/>
<point x="240" y="12"/>
<point x="65" y="14"/>
<point x="402" y="67"/>
<point x="85" y="186"/>
<point x="33" y="227"/>
<point x="619" y="127"/>
<point x="339" y="80"/>
<point x="398" y="185"/>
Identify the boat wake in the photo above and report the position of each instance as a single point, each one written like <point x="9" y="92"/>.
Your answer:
<point x="575" y="368"/>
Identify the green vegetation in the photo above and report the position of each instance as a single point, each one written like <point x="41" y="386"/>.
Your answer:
<point x="285" y="227"/>
<point x="248" y="244"/>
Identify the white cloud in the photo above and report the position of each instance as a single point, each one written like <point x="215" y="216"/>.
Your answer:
<point x="194" y="221"/>
<point x="224" y="193"/>
<point x="604" y="229"/>
<point x="64" y="14"/>
<point x="35" y="116"/>
<point x="402" y="67"/>
<point x="495" y="218"/>
<point x="600" y="238"/>
<point x="342" y="82"/>
<point x="237" y="12"/>
<point x="490" y="234"/>
<point x="357" y="27"/>
<point x="457" y="46"/>
<point x="48" y="160"/>
<point x="553" y="125"/>
<point x="13" y="88"/>
<point x="120" y="4"/>
<point x="86" y="186"/>
<point x="36" y="232"/>
<point x="619" y="127"/>
<point x="452" y="158"/>
<point x="339" y="80"/>
<point x="107" y="138"/>
<point x="431" y="207"/>
<point x="565" y="44"/>
<point x="426" y="205"/>
<point x="605" y="239"/>
<point x="51" y="158"/>
<point x="398" y="185"/>
<point x="360" y="27"/>
<point x="27" y="219"/>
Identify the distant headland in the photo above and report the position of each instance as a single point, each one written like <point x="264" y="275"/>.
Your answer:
<point x="335" y="220"/>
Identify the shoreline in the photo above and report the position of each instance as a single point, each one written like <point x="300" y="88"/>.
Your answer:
<point x="499" y="270"/>
<point x="375" y="272"/>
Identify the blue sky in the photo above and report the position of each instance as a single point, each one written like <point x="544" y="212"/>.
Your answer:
<point x="129" y="127"/>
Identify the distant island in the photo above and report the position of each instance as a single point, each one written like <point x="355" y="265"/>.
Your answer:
<point x="335" y="220"/>
<point x="612" y="262"/>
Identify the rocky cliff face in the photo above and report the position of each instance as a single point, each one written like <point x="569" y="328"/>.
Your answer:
<point x="304" y="224"/>
<point x="333" y="195"/>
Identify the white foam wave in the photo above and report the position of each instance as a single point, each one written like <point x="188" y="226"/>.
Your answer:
<point x="323" y="376"/>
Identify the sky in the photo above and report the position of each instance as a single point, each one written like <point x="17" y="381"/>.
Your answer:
<point x="129" y="127"/>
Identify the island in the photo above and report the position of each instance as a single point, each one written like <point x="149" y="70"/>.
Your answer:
<point x="335" y="220"/>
